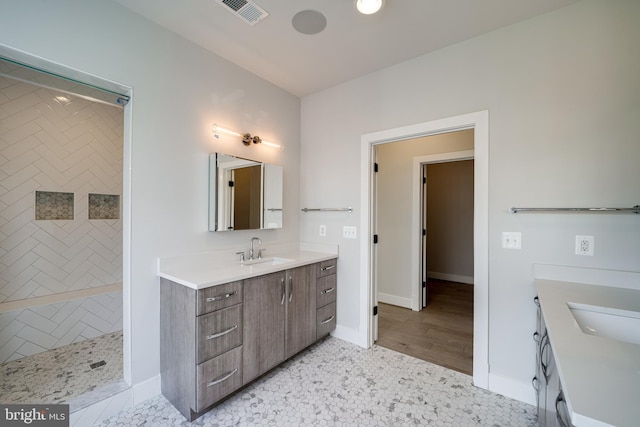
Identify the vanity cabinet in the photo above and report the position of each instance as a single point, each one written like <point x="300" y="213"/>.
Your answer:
<point x="326" y="290"/>
<point x="550" y="399"/>
<point x="279" y="317"/>
<point x="200" y="344"/>
<point x="218" y="339"/>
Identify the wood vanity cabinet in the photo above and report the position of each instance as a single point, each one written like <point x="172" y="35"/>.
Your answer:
<point x="200" y="344"/>
<point x="279" y="317"/>
<point x="326" y="290"/>
<point x="216" y="340"/>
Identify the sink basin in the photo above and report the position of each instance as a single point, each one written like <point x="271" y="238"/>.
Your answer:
<point x="621" y="325"/>
<point x="272" y="260"/>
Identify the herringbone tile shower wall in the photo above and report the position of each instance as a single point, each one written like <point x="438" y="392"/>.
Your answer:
<point x="52" y="141"/>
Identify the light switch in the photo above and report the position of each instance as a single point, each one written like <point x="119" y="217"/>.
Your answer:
<point x="349" y="232"/>
<point x="512" y="240"/>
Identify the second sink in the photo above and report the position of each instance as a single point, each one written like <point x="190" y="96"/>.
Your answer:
<point x="621" y="325"/>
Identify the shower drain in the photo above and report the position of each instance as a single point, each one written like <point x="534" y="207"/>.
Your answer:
<point x="97" y="364"/>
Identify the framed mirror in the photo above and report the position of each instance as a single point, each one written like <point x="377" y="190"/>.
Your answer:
<point x="244" y="194"/>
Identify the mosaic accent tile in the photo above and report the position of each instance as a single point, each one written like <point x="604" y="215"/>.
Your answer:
<point x="62" y="374"/>
<point x="339" y="383"/>
<point x="51" y="205"/>
<point x="104" y="206"/>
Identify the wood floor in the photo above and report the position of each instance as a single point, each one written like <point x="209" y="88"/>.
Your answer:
<point x="442" y="333"/>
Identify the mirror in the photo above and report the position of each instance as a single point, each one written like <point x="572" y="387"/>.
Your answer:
<point x="244" y="194"/>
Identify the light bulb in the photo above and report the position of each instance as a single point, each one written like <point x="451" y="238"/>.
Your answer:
<point x="369" y="7"/>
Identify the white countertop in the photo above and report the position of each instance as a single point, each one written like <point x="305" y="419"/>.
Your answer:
<point x="199" y="271"/>
<point x="600" y="376"/>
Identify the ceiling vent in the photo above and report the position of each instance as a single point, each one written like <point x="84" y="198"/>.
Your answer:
<point x="248" y="11"/>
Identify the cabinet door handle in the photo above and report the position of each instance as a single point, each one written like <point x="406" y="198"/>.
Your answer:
<point x="327" y="291"/>
<point x="327" y="268"/>
<point x="543" y="346"/>
<point x="223" y="378"/>
<point x="559" y="417"/>
<point x="290" y="288"/>
<point x="283" y="291"/>
<point x="324" y="322"/>
<point x="219" y="334"/>
<point x="225" y="296"/>
<point x="536" y="337"/>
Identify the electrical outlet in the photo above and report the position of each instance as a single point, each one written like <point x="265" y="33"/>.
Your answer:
<point x="349" y="232"/>
<point x="584" y="245"/>
<point x="322" y="230"/>
<point x="512" y="240"/>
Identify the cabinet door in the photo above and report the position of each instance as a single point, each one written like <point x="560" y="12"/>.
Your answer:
<point x="264" y="317"/>
<point x="301" y="309"/>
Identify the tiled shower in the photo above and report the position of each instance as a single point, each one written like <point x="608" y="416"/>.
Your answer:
<point x="60" y="224"/>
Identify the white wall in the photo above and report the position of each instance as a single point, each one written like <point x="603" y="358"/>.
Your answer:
<point x="179" y="90"/>
<point x="562" y="92"/>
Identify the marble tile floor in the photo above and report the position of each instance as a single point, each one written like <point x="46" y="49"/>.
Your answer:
<point x="336" y="383"/>
<point x="64" y="374"/>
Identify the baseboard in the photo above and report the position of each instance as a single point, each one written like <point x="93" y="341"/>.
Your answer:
<point x="146" y="390"/>
<point x="348" y="334"/>
<point x="394" y="300"/>
<point x="508" y="387"/>
<point x="450" y="277"/>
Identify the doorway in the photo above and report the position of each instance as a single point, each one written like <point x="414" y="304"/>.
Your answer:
<point x="443" y="332"/>
<point x="479" y="122"/>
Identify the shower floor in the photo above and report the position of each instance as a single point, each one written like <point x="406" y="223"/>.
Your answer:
<point x="65" y="374"/>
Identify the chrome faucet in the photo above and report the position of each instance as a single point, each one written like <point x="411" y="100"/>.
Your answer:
<point x="251" y="246"/>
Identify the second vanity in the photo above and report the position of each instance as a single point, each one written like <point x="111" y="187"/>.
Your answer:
<point x="224" y="324"/>
<point x="588" y="351"/>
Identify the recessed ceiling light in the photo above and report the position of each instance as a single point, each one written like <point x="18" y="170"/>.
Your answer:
<point x="309" y="22"/>
<point x="369" y="7"/>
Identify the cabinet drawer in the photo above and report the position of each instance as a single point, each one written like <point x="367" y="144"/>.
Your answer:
<point x="326" y="290"/>
<point x="325" y="268"/>
<point x="217" y="297"/>
<point x="218" y="377"/>
<point x="326" y="320"/>
<point x="218" y="332"/>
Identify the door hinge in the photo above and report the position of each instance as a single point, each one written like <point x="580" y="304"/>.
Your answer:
<point x="424" y="231"/>
<point x="424" y="285"/>
<point x="375" y="238"/>
<point x="375" y="167"/>
<point x="375" y="310"/>
<point x="424" y="179"/>
<point x="230" y="183"/>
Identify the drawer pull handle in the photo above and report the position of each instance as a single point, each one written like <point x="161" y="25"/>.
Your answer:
<point x="329" y="267"/>
<point x="221" y="379"/>
<point x="225" y="296"/>
<point x="219" y="334"/>
<point x="324" y="322"/>
<point x="327" y="291"/>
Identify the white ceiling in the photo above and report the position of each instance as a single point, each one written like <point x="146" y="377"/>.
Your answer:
<point x="350" y="46"/>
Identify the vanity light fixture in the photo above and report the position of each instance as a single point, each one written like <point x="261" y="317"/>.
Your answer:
<point x="369" y="7"/>
<point x="247" y="139"/>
